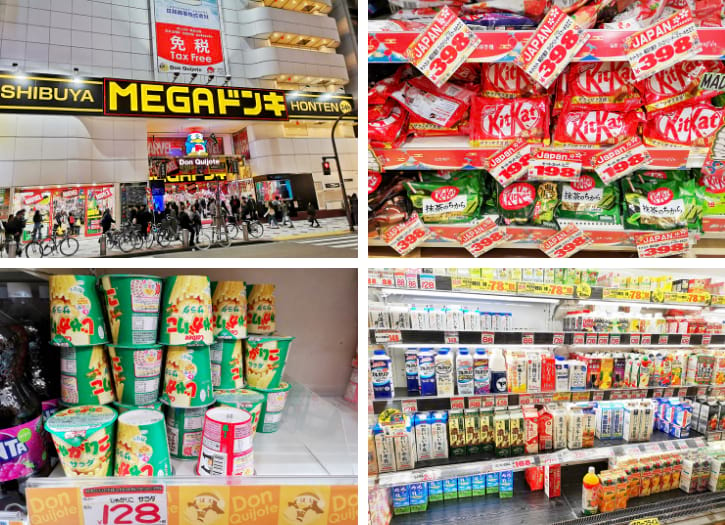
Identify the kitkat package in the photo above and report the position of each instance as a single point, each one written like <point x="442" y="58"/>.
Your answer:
<point x="448" y="198"/>
<point x="688" y="126"/>
<point x="496" y="122"/>
<point x="595" y="128"/>
<point x="589" y="199"/>
<point x="529" y="203"/>
<point x="601" y="85"/>
<point x="712" y="185"/>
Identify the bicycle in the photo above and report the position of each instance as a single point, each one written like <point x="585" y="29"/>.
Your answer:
<point x="217" y="237"/>
<point x="254" y="228"/>
<point x="67" y="246"/>
<point x="120" y="239"/>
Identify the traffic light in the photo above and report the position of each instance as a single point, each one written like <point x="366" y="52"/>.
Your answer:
<point x="326" y="167"/>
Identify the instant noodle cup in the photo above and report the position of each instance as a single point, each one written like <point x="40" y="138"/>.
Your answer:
<point x="183" y="428"/>
<point x="132" y="307"/>
<point x="121" y="408"/>
<point x="261" y="309"/>
<point x="84" y="438"/>
<point x="186" y="311"/>
<point x="227" y="372"/>
<point x="76" y="316"/>
<point x="187" y="377"/>
<point x="244" y="399"/>
<point x="274" y="401"/>
<point x="85" y="378"/>
<point x="229" y="309"/>
<point x="141" y="445"/>
<point x="136" y="373"/>
<point x="226" y="443"/>
<point x="264" y="360"/>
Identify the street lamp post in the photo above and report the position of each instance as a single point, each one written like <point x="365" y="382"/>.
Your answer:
<point x="345" y="201"/>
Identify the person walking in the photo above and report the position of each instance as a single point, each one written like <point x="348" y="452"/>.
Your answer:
<point x="37" y="225"/>
<point x="196" y="222"/>
<point x="353" y="208"/>
<point x="312" y="215"/>
<point x="271" y="216"/>
<point x="106" y="221"/>
<point x="19" y="226"/>
<point x="185" y="224"/>
<point x="286" y="220"/>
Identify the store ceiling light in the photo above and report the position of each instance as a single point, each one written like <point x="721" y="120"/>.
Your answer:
<point x="467" y="296"/>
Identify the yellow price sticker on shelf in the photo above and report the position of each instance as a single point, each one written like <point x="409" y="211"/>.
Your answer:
<point x="681" y="297"/>
<point x="114" y="504"/>
<point x="626" y="294"/>
<point x="645" y="521"/>
<point x="717" y="300"/>
<point x="583" y="291"/>
<point x="489" y="285"/>
<point x="553" y="290"/>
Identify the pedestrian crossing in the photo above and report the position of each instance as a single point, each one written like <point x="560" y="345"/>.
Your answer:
<point x="333" y="241"/>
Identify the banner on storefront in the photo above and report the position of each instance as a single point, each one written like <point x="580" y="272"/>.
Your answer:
<point x="188" y="36"/>
<point x="57" y="94"/>
<point x="167" y="147"/>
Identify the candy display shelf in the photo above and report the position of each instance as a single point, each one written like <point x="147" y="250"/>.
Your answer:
<point x="388" y="46"/>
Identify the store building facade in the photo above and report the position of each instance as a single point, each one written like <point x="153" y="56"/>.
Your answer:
<point x="64" y="150"/>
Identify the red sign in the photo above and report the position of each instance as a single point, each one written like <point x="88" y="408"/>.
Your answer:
<point x="482" y="237"/>
<point x="566" y="242"/>
<point x="406" y="236"/>
<point x="241" y="144"/>
<point x="549" y="164"/>
<point x="620" y="160"/>
<point x="510" y="163"/>
<point x="663" y="244"/>
<point x="176" y="147"/>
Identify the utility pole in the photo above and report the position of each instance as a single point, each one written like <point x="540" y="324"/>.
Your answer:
<point x="345" y="201"/>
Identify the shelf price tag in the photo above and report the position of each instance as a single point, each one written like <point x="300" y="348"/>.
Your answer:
<point x="717" y="300"/>
<point x="483" y="237"/>
<point x="458" y="403"/>
<point x="646" y="339"/>
<point x="634" y="339"/>
<point x="442" y="47"/>
<point x="622" y="159"/>
<point x="388" y="278"/>
<point x="565" y="242"/>
<point x="411" y="280"/>
<point x="526" y="399"/>
<point x="388" y="336"/>
<point x="578" y="339"/>
<point x="663" y="244"/>
<point x="657" y="392"/>
<point x="510" y="163"/>
<point x="598" y="395"/>
<point x="669" y="392"/>
<point x="591" y="339"/>
<point x="527" y="339"/>
<point x="474" y="402"/>
<point x="603" y="339"/>
<point x="562" y="396"/>
<point x="419" y="476"/>
<point x="625" y="294"/>
<point x="406" y="236"/>
<point x="557" y="290"/>
<point x="615" y="339"/>
<point x="409" y="406"/>
<point x="502" y="400"/>
<point x="701" y="390"/>
<point x="451" y="338"/>
<point x="489" y="285"/>
<point x="488" y="401"/>
<point x="487" y="338"/>
<point x="119" y="504"/>
<point x="547" y="164"/>
<point x="427" y="281"/>
<point x="550" y="49"/>
<point x="706" y="338"/>
<point x="523" y="463"/>
<point x="579" y="396"/>
<point x="681" y="297"/>
<point x="558" y="338"/>
<point x="662" y="45"/>
<point x="663" y="339"/>
<point x="685" y="339"/>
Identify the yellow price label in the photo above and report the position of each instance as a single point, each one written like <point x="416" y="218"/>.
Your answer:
<point x="645" y="521"/>
<point x="583" y="291"/>
<point x="557" y="290"/>
<point x="718" y="300"/>
<point x="681" y="297"/>
<point x="626" y="294"/>
<point x="490" y="285"/>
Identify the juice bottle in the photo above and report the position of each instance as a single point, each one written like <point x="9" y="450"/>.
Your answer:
<point x="464" y="372"/>
<point x="590" y="493"/>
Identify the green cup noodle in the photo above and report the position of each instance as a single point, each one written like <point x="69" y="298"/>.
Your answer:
<point x="229" y="307"/>
<point x="264" y="360"/>
<point x="183" y="428"/>
<point x="136" y="373"/>
<point x="226" y="364"/>
<point x="76" y="315"/>
<point x="85" y="377"/>
<point x="186" y="311"/>
<point x="244" y="399"/>
<point x="121" y="408"/>
<point x="84" y="439"/>
<point x="187" y="377"/>
<point x="275" y="399"/>
<point x="141" y="445"/>
<point x="132" y="307"/>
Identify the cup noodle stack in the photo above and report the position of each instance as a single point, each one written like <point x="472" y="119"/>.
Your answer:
<point x="201" y="411"/>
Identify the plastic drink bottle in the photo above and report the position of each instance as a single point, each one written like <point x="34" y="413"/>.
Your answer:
<point x="427" y="372"/>
<point x="382" y="375"/>
<point x="464" y="372"/>
<point x="590" y="493"/>
<point x="481" y="372"/>
<point x="411" y="371"/>
<point x="444" y="372"/>
<point x="497" y="365"/>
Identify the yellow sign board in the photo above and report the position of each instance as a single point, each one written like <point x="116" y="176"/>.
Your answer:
<point x="717" y="300"/>
<point x="626" y="294"/>
<point x="645" y="521"/>
<point x="552" y="290"/>
<point x="660" y="296"/>
<point x="490" y="285"/>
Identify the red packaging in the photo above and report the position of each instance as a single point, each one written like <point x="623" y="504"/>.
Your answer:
<point x="692" y="126"/>
<point x="420" y="127"/>
<point x="387" y="125"/>
<point x="531" y="8"/>
<point x="677" y="86"/>
<point x="226" y="443"/>
<point x="546" y="430"/>
<point x="594" y="367"/>
<point x="548" y="373"/>
<point x="534" y="477"/>
<point x="594" y="129"/>
<point x="506" y="80"/>
<point x="448" y="89"/>
<point x="494" y="123"/>
<point x="601" y="85"/>
<point x="531" y="430"/>
<point x="439" y="109"/>
<point x="468" y="73"/>
<point x="552" y="480"/>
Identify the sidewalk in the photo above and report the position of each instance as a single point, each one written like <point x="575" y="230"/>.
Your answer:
<point x="302" y="230"/>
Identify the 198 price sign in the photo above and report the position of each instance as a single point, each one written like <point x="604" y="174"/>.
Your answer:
<point x="622" y="159"/>
<point x="125" y="505"/>
<point x="510" y="163"/>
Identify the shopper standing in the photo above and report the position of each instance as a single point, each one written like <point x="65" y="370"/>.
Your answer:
<point x="37" y="225"/>
<point x="185" y="223"/>
<point x="196" y="221"/>
<point x="106" y="221"/>
<point x="312" y="215"/>
<point x="286" y="220"/>
<point x="272" y="216"/>
<point x="19" y="226"/>
<point x="353" y="208"/>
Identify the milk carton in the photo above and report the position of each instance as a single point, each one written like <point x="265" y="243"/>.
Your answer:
<point x="423" y="436"/>
<point x="439" y="434"/>
<point x="401" y="500"/>
<point x="418" y="493"/>
<point x="385" y="448"/>
<point x="492" y="483"/>
<point x="435" y="491"/>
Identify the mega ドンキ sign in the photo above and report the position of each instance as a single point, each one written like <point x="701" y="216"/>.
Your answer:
<point x="57" y="94"/>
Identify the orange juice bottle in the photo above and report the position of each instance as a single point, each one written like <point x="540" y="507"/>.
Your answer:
<point x="621" y="499"/>
<point x="590" y="493"/>
<point x="645" y="488"/>
<point x="634" y="476"/>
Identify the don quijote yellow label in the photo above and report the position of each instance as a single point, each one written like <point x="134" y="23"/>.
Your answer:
<point x="59" y="506"/>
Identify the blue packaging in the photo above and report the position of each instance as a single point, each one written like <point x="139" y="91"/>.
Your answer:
<point x="435" y="491"/>
<point x="382" y="374"/>
<point x="464" y="487"/>
<point x="427" y="372"/>
<point x="506" y="484"/>
<point x="401" y="500"/>
<point x="418" y="497"/>
<point x="478" y="485"/>
<point x="450" y="489"/>
<point x="411" y="371"/>
<point x="492" y="483"/>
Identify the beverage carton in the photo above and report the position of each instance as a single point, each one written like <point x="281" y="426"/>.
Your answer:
<point x="516" y="426"/>
<point x="575" y="428"/>
<point x="435" y="491"/>
<point x="478" y="485"/>
<point x="487" y="436"/>
<point x="502" y="436"/>
<point x="546" y="430"/>
<point x="450" y="489"/>
<point x="560" y="427"/>
<point x="457" y="433"/>
<point x="531" y="430"/>
<point x="464" y="487"/>
<point x="552" y="480"/>
<point x="385" y="447"/>
<point x="588" y="425"/>
<point x="577" y="375"/>
<point x="533" y="372"/>
<point x="603" y="421"/>
<point x="548" y="372"/>
<point x="439" y="435"/>
<point x="401" y="500"/>
<point x="372" y="453"/>
<point x="423" y="436"/>
<point x="418" y="497"/>
<point x="492" y="483"/>
<point x="506" y="484"/>
<point x="473" y="432"/>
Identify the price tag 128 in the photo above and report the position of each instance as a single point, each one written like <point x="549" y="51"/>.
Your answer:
<point x="555" y="165"/>
<point x="510" y="163"/>
<point x="119" y="504"/>
<point x="663" y="244"/>
<point x="406" y="236"/>
<point x="442" y="47"/>
<point x="566" y="242"/>
<point x="550" y="49"/>
<point x="620" y="160"/>
<point x="662" y="45"/>
<point x="482" y="237"/>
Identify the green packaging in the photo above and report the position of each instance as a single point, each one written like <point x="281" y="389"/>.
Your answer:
<point x="76" y="315"/>
<point x="450" y="489"/>
<point x="229" y="309"/>
<point x="226" y="364"/>
<point x="187" y="377"/>
<point x="270" y="417"/>
<point x="183" y="428"/>
<point x="464" y="487"/>
<point x="261" y="309"/>
<point x="517" y="430"/>
<point x="435" y="491"/>
<point x="136" y="373"/>
<point x="453" y="198"/>
<point x="487" y="431"/>
<point x="186" y="311"/>
<point x="132" y="304"/>
<point x="121" y="408"/>
<point x="589" y="199"/>
<point x="456" y="433"/>
<point x="529" y="203"/>
<point x="84" y="438"/>
<point x="478" y="485"/>
<point x="85" y="378"/>
<point x="141" y="446"/>
<point x="492" y="483"/>
<point x="264" y="360"/>
<point x="473" y="432"/>
<point x="502" y="434"/>
<point x="244" y="399"/>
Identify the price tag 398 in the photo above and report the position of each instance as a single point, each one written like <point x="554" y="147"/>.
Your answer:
<point x="663" y="244"/>
<point x="548" y="164"/>
<point x="550" y="49"/>
<point x="662" y="45"/>
<point x="406" y="236"/>
<point x="119" y="504"/>
<point x="510" y="163"/>
<point x="483" y="237"/>
<point x="565" y="242"/>
<point x="441" y="49"/>
<point x="622" y="159"/>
